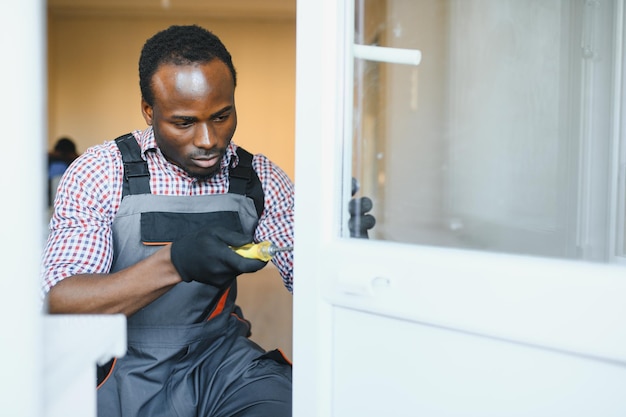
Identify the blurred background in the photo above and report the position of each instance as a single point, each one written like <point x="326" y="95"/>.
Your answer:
<point x="93" y="51"/>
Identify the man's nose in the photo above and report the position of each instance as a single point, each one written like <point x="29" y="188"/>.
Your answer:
<point x="202" y="138"/>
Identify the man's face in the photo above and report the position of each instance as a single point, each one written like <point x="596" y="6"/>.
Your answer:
<point x="193" y="115"/>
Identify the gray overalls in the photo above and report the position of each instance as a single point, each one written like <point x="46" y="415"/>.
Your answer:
<point x="188" y="351"/>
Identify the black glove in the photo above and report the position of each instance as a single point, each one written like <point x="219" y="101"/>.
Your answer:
<point x="206" y="256"/>
<point x="360" y="222"/>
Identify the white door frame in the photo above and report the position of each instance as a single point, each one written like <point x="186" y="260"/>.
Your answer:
<point x="573" y="307"/>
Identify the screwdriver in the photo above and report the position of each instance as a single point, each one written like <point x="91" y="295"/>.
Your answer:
<point x="263" y="251"/>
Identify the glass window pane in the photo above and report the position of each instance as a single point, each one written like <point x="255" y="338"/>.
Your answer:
<point x="501" y="138"/>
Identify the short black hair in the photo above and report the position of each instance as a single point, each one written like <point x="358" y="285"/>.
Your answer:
<point x="179" y="45"/>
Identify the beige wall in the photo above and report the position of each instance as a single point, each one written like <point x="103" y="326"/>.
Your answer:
<point x="94" y="89"/>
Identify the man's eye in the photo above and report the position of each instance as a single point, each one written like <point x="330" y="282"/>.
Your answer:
<point x="184" y="124"/>
<point x="221" y="118"/>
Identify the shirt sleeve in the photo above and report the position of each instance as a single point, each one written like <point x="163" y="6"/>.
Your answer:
<point x="276" y="222"/>
<point x="80" y="235"/>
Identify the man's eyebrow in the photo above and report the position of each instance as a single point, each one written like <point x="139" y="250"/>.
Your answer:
<point x="222" y="111"/>
<point x="195" y="119"/>
<point x="185" y="118"/>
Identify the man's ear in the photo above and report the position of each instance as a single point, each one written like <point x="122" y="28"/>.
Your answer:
<point x="146" y="110"/>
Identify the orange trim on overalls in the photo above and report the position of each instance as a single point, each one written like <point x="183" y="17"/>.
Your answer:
<point x="284" y="356"/>
<point x="220" y="304"/>
<point x="109" y="374"/>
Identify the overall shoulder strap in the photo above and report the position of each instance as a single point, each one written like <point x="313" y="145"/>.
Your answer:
<point x="244" y="180"/>
<point x="136" y="175"/>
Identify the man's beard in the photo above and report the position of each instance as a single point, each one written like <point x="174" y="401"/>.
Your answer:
<point x="202" y="177"/>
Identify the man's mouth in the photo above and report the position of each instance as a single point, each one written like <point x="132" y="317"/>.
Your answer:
<point x="206" y="162"/>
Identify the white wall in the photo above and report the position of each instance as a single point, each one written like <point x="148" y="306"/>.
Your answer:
<point x="22" y="208"/>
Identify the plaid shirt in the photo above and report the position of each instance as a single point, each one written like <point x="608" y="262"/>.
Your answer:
<point x="90" y="192"/>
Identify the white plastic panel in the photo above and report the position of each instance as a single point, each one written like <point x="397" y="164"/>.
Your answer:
<point x="567" y="306"/>
<point x="408" y="369"/>
<point x="75" y="344"/>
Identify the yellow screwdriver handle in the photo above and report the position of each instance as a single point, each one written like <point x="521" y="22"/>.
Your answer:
<point x="261" y="251"/>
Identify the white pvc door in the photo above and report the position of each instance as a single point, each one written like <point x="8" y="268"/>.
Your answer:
<point x="488" y="135"/>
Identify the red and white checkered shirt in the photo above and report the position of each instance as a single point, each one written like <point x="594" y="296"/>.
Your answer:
<point x="90" y="192"/>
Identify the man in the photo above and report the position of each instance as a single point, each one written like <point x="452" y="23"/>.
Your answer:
<point x="182" y="181"/>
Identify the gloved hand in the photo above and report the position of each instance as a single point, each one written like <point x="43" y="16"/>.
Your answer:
<point x="206" y="256"/>
<point x="360" y="222"/>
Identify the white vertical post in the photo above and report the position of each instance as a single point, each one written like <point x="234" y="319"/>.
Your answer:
<point x="22" y="117"/>
<point x="319" y="50"/>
